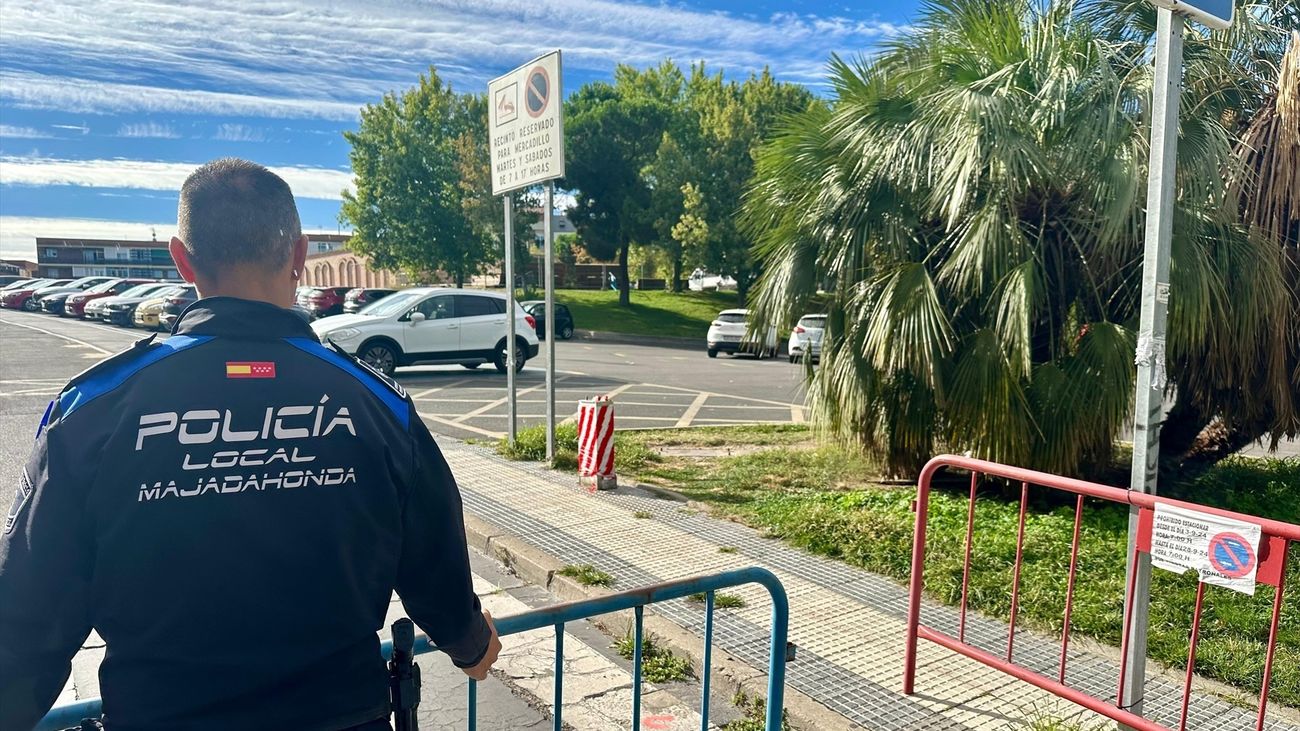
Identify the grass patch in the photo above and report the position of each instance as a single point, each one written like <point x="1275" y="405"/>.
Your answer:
<point x="737" y="481"/>
<point x="754" y="710"/>
<point x="765" y="435"/>
<point x="726" y="549"/>
<point x="630" y="456"/>
<point x="684" y="315"/>
<point x="721" y="600"/>
<point x="587" y="575"/>
<point x="658" y="663"/>
<point x="643" y="515"/>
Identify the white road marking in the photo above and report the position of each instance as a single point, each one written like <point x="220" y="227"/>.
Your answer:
<point x="693" y="409"/>
<point x="422" y="394"/>
<point x="466" y="427"/>
<point x="57" y="335"/>
<point x="47" y="391"/>
<point x="619" y="390"/>
<point x="29" y="381"/>
<point x="782" y="404"/>
<point x="493" y="404"/>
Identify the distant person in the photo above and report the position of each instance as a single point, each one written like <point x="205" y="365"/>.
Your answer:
<point x="231" y="509"/>
<point x="613" y="282"/>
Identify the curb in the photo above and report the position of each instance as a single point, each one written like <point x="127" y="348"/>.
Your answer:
<point x="540" y="568"/>
<point x="654" y="341"/>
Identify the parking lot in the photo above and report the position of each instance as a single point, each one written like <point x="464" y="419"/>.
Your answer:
<point x="652" y="386"/>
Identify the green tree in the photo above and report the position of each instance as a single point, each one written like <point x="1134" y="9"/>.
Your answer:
<point x="975" y="197"/>
<point x="712" y="150"/>
<point x="421" y="201"/>
<point x="612" y="132"/>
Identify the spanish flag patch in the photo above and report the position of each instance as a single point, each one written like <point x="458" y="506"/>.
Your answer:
<point x="245" y="369"/>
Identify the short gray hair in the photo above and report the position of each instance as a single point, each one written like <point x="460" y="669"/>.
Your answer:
<point x="234" y="212"/>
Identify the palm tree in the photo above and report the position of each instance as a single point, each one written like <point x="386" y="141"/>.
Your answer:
<point x="975" y="198"/>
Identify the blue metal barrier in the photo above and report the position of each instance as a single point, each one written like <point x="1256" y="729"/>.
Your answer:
<point x="559" y="614"/>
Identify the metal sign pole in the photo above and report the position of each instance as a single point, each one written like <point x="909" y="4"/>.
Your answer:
<point x="1148" y="411"/>
<point x="548" y="249"/>
<point x="511" y="342"/>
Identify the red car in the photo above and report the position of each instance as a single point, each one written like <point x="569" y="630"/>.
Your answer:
<point x="323" y="301"/>
<point x="75" y="305"/>
<point x="21" y="298"/>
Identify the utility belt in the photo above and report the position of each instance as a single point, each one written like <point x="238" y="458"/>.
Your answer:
<point x="403" y="682"/>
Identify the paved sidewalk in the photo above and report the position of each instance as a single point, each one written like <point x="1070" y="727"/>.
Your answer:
<point x="848" y="623"/>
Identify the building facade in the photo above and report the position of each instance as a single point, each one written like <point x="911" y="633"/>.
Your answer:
<point x="342" y="268"/>
<point x="72" y="258"/>
<point x="20" y="267"/>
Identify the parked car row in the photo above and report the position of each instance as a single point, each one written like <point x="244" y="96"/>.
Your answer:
<point x="124" y="301"/>
<point x="385" y="328"/>
<point x="733" y="332"/>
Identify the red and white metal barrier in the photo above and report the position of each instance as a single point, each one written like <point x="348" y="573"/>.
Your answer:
<point x="596" y="443"/>
<point x="1268" y="560"/>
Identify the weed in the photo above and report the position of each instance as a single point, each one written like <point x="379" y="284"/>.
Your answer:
<point x="721" y="600"/>
<point x="755" y="714"/>
<point x="658" y="663"/>
<point x="643" y="515"/>
<point x="587" y="575"/>
<point x="726" y="549"/>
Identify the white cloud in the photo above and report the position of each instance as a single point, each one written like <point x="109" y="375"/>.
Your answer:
<point x="30" y="133"/>
<point x="306" y="182"/>
<point x="78" y="128"/>
<point x="239" y="133"/>
<point x="27" y="90"/>
<point x="280" y="58"/>
<point x="18" y="233"/>
<point x="148" y="130"/>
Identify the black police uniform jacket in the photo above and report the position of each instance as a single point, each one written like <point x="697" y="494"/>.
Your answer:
<point x="231" y="510"/>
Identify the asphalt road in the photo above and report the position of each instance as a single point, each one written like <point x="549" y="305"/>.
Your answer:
<point x="652" y="386"/>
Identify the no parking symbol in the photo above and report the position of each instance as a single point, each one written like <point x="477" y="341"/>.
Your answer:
<point x="1222" y="551"/>
<point x="1231" y="555"/>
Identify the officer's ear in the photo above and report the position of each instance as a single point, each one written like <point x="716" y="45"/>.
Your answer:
<point x="181" y="256"/>
<point x="300" y="255"/>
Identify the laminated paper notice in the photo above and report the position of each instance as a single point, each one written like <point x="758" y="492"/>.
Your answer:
<point x="1224" y="552"/>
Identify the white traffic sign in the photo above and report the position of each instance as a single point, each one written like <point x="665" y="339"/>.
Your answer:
<point x="1222" y="551"/>
<point x="526" y="124"/>
<point x="1216" y="14"/>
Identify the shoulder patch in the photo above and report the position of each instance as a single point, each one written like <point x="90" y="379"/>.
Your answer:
<point x="21" y="498"/>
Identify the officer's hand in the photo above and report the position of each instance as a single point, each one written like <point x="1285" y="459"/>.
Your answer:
<point x="480" y="671"/>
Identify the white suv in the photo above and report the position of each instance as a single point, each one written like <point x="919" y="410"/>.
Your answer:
<point x="433" y="326"/>
<point x="730" y="333"/>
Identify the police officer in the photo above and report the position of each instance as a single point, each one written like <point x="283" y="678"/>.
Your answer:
<point x="231" y="508"/>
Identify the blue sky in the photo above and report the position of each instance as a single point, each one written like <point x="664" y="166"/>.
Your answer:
<point x="106" y="105"/>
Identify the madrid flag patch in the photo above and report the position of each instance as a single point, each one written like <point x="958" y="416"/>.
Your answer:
<point x="254" y="369"/>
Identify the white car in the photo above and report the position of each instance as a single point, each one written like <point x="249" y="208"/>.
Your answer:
<point x="431" y="325"/>
<point x="701" y="281"/>
<point x="729" y="333"/>
<point x="806" y="338"/>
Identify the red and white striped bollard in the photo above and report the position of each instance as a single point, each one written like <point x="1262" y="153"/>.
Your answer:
<point x="596" y="443"/>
